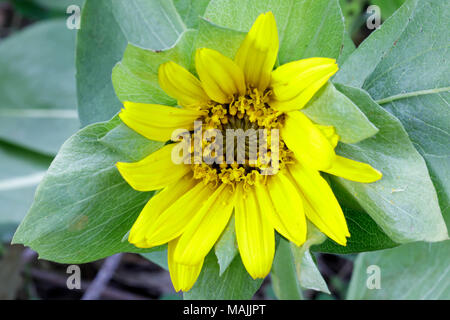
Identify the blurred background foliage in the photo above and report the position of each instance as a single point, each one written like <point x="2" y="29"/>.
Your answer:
<point x="38" y="113"/>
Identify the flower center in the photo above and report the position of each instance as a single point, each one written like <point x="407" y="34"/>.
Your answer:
<point x="240" y="141"/>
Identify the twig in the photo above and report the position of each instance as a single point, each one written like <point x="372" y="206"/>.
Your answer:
<point x="5" y="6"/>
<point x="346" y="269"/>
<point x="60" y="281"/>
<point x="28" y="255"/>
<point x="103" y="276"/>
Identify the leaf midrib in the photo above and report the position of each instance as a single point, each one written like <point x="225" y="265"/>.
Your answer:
<point x="411" y="94"/>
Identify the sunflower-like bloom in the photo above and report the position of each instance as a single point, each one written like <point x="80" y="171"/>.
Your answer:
<point x="197" y="198"/>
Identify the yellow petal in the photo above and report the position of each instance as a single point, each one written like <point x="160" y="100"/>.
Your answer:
<point x="180" y="84"/>
<point x="174" y="220"/>
<point x="203" y="231"/>
<point x="295" y="83"/>
<point x="155" y="206"/>
<point x="258" y="52"/>
<point x="157" y="122"/>
<point x="183" y="277"/>
<point x="282" y="204"/>
<point x="254" y="233"/>
<point x="153" y="172"/>
<point x="354" y="170"/>
<point x="321" y="206"/>
<point x="307" y="142"/>
<point x="221" y="77"/>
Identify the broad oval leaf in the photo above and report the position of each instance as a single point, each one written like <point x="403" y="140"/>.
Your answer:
<point x="404" y="66"/>
<point x="106" y="29"/>
<point x="226" y="41"/>
<point x="306" y="28"/>
<point x="83" y="208"/>
<point x="135" y="78"/>
<point x="191" y="11"/>
<point x="364" y="60"/>
<point x="404" y="202"/>
<point x="153" y="24"/>
<point x="332" y="108"/>
<point x="366" y="235"/>
<point x="100" y="45"/>
<point x="415" y="271"/>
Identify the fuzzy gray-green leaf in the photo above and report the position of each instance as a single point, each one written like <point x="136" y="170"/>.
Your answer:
<point x="83" y="208"/>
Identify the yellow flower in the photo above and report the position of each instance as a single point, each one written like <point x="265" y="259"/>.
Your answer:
<point x="197" y="199"/>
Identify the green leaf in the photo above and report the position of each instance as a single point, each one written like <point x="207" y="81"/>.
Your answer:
<point x="347" y="49"/>
<point x="427" y="120"/>
<point x="330" y="107"/>
<point x="234" y="284"/>
<point x="366" y="235"/>
<point x="387" y="7"/>
<point x="61" y="5"/>
<point x="148" y="24"/>
<point x="83" y="208"/>
<point x="283" y="274"/>
<point x="409" y="67"/>
<point x="306" y="28"/>
<point x="100" y="45"/>
<point x="158" y="257"/>
<point x="226" y="247"/>
<point x="21" y="173"/>
<point x="106" y="28"/>
<point x="135" y="78"/>
<point x="37" y="111"/>
<point x="417" y="271"/>
<point x="404" y="202"/>
<point x="404" y="66"/>
<point x="358" y="67"/>
<point x="315" y="29"/>
<point x="128" y="143"/>
<point x="224" y="40"/>
<point x="191" y="10"/>
<point x="308" y="274"/>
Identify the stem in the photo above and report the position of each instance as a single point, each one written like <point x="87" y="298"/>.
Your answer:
<point x="284" y="276"/>
<point x="103" y="276"/>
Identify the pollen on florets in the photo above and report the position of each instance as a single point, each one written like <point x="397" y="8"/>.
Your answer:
<point x="247" y="117"/>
